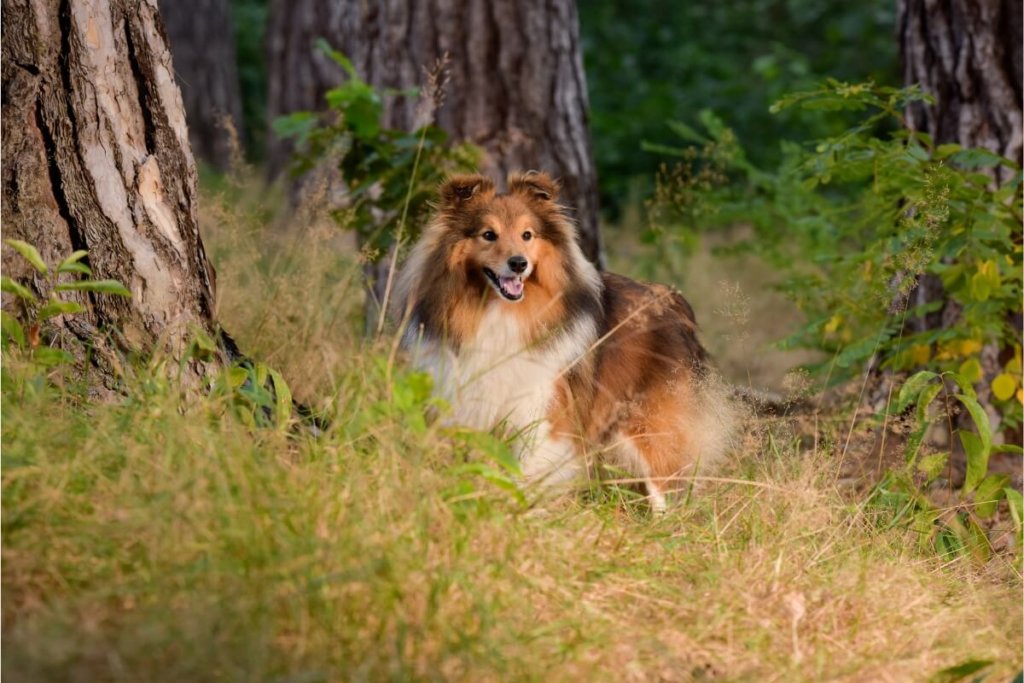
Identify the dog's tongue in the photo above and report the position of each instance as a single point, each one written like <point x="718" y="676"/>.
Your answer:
<point x="511" y="285"/>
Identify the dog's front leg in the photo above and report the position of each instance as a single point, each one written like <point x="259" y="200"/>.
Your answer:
<point x="551" y="462"/>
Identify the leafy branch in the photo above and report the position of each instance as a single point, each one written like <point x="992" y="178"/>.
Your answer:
<point x="37" y="311"/>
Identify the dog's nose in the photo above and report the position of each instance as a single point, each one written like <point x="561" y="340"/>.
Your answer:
<point x="518" y="264"/>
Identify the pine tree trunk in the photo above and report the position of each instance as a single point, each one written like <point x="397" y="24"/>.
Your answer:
<point x="517" y="84"/>
<point x="205" y="64"/>
<point x="967" y="55"/>
<point x="96" y="156"/>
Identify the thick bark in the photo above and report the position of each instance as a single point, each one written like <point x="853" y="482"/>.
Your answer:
<point x="96" y="156"/>
<point x="517" y="84"/>
<point x="205" y="64"/>
<point x="967" y="55"/>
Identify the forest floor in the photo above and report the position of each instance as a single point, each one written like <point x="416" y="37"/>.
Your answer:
<point x="165" y="540"/>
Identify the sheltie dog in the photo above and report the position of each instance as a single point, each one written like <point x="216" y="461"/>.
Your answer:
<point x="520" y="331"/>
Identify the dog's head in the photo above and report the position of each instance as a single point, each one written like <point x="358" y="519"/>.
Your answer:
<point x="508" y="241"/>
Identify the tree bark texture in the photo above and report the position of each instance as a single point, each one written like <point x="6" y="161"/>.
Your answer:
<point x="96" y="156"/>
<point x="967" y="55"/>
<point x="205" y="64"/>
<point x="517" y="85"/>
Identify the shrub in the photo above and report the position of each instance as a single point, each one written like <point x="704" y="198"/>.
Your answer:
<point x="861" y="225"/>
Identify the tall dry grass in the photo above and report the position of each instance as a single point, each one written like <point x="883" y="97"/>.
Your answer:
<point x="150" y="540"/>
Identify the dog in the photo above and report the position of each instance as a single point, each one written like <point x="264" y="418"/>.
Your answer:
<point x="519" y="329"/>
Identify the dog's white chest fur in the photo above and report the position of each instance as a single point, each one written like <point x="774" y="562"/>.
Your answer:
<point x="497" y="378"/>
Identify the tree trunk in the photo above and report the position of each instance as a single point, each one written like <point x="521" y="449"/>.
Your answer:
<point x="96" y="157"/>
<point x="517" y="86"/>
<point x="205" y="64"/>
<point x="967" y="55"/>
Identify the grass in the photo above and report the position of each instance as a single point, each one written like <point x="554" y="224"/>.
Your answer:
<point x="165" y="540"/>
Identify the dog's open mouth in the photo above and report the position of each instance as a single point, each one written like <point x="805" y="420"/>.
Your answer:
<point x="509" y="287"/>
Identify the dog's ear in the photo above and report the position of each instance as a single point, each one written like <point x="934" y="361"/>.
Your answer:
<point x="458" y="190"/>
<point x="534" y="184"/>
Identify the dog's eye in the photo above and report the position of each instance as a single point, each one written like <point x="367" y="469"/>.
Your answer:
<point x="527" y="236"/>
<point x="490" y="235"/>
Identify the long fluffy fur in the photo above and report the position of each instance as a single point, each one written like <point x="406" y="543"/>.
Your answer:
<point x="584" y="367"/>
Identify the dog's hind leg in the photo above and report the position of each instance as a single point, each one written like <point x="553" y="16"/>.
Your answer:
<point x="633" y="458"/>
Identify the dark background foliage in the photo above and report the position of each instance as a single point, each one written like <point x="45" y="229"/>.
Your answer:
<point x="649" y="61"/>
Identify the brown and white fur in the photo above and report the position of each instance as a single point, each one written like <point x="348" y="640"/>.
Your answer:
<point x="519" y="329"/>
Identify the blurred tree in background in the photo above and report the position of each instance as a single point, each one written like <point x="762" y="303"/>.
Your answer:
<point x="205" y="66"/>
<point x="967" y="56"/>
<point x="517" y="88"/>
<point x="649" y="61"/>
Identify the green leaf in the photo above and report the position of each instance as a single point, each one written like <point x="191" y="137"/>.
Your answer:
<point x="943" y="151"/>
<point x="283" y="398"/>
<point x="960" y="671"/>
<point x="911" y="388"/>
<point x="12" y="329"/>
<point x="656" y="148"/>
<point x="204" y="342"/>
<point x="76" y="268"/>
<point x="75" y="257"/>
<point x="980" y="418"/>
<point x="713" y="123"/>
<point x="977" y="446"/>
<point x="55" y="308"/>
<point x="29" y="253"/>
<point x="99" y="286"/>
<point x="924" y="399"/>
<point x="979" y="158"/>
<point x="237" y="377"/>
<point x="71" y="263"/>
<point x="298" y="125"/>
<point x="363" y="115"/>
<point x="1016" y="503"/>
<point x="337" y="57"/>
<point x="981" y="287"/>
<point x="977" y="541"/>
<point x="922" y="524"/>
<point x="989" y="493"/>
<point x="977" y="464"/>
<point x="970" y="370"/>
<point x="687" y="132"/>
<point x="260" y="374"/>
<point x="11" y="287"/>
<point x="856" y="352"/>
<point x="967" y="538"/>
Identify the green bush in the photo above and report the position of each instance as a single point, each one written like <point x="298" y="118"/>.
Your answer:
<point x="904" y="255"/>
<point x="855" y="221"/>
<point x="649" y="61"/>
